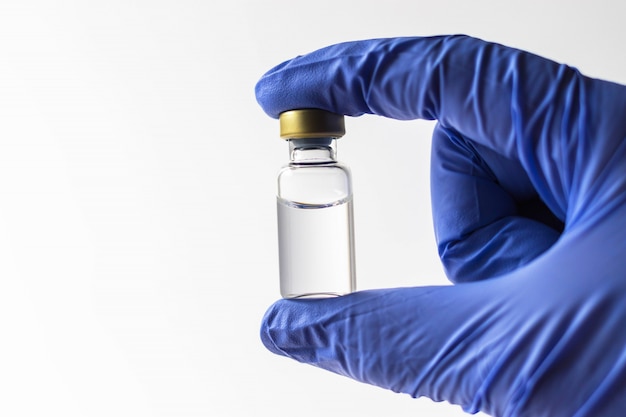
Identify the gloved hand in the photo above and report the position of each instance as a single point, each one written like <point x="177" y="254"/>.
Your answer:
<point x="529" y="202"/>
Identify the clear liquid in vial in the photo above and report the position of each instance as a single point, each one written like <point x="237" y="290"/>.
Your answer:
<point x="316" y="249"/>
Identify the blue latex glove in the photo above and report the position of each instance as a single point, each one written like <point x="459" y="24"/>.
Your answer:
<point x="529" y="202"/>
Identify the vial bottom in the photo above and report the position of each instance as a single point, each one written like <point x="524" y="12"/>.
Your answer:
<point x="316" y="249"/>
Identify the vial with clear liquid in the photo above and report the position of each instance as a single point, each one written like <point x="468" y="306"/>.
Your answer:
<point x="314" y="199"/>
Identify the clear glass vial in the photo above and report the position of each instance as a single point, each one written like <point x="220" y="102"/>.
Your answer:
<point x="315" y="221"/>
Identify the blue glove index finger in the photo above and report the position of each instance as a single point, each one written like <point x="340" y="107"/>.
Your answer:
<point x="562" y="127"/>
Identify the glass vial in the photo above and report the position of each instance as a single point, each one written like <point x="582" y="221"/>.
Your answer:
<point x="314" y="199"/>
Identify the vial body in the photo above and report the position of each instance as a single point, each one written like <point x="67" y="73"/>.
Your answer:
<point x="315" y="222"/>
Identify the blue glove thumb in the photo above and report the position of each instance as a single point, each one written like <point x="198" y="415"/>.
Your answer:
<point x="544" y="340"/>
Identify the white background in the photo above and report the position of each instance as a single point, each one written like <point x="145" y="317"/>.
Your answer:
<point x="138" y="244"/>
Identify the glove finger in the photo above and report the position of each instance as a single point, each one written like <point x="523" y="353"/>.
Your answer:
<point x="482" y="214"/>
<point x="439" y="342"/>
<point x="563" y="128"/>
<point x="543" y="340"/>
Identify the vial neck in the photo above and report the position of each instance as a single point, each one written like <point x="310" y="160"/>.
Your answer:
<point x="312" y="151"/>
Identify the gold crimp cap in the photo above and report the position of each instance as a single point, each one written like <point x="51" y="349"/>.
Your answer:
<point x="311" y="123"/>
